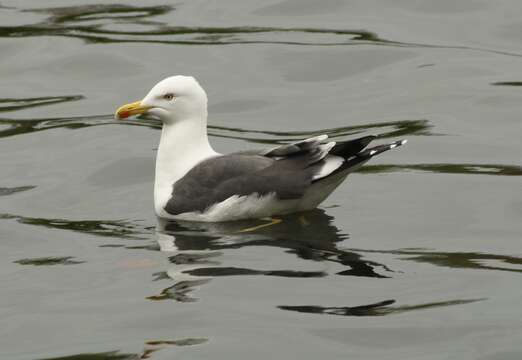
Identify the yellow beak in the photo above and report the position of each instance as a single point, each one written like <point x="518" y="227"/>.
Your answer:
<point x="127" y="110"/>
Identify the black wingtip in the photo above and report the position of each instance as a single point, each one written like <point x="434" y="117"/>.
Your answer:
<point x="376" y="150"/>
<point x="367" y="139"/>
<point x="360" y="158"/>
<point x="350" y="148"/>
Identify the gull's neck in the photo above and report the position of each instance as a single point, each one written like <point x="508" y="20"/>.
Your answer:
<point x="183" y="144"/>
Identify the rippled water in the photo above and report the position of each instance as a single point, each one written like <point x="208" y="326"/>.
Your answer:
<point x="417" y="256"/>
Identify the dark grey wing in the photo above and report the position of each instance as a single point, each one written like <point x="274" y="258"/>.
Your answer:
<point x="196" y="191"/>
<point x="216" y="179"/>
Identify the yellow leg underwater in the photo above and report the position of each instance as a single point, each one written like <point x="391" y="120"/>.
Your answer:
<point x="273" y="221"/>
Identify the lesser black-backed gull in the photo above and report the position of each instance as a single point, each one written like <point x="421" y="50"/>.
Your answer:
<point x="193" y="182"/>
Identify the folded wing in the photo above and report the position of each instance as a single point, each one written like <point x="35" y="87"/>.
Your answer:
<point x="286" y="171"/>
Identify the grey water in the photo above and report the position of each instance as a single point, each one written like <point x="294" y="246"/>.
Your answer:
<point x="417" y="255"/>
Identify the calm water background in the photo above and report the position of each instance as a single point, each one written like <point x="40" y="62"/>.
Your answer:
<point x="417" y="256"/>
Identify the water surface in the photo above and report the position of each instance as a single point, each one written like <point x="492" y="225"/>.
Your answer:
<point x="416" y="256"/>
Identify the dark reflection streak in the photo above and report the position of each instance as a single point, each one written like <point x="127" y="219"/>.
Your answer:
<point x="188" y="42"/>
<point x="60" y="20"/>
<point x="5" y="32"/>
<point x="116" y="228"/>
<point x="19" y="127"/>
<point x="421" y="126"/>
<point x="150" y="347"/>
<point x="308" y="250"/>
<point x="109" y="355"/>
<point x="399" y="128"/>
<point x="182" y="30"/>
<point x="231" y="271"/>
<point x="468" y="169"/>
<point x="507" y="83"/>
<point x="179" y="292"/>
<point x="465" y="260"/>
<point x="377" y="309"/>
<point x="183" y="258"/>
<point x="25" y="103"/>
<point x="52" y="260"/>
<point x="74" y="32"/>
<point x="13" y="190"/>
<point x="85" y="12"/>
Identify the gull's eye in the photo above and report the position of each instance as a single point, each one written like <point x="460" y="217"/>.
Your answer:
<point x="168" y="96"/>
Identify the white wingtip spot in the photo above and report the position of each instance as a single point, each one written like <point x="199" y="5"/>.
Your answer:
<point x="373" y="152"/>
<point x="404" y="141"/>
<point x="393" y="145"/>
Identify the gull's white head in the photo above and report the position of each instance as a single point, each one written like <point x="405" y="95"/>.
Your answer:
<point x="173" y="99"/>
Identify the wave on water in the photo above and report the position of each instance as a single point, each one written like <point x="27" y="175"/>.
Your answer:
<point x="118" y="23"/>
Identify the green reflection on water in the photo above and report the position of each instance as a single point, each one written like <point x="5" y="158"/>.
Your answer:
<point x="84" y="13"/>
<point x="464" y="260"/>
<point x="92" y="24"/>
<point x="13" y="104"/>
<point x="108" y="228"/>
<point x="95" y="24"/>
<point x="19" y="127"/>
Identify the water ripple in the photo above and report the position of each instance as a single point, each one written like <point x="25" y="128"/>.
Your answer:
<point x="117" y="23"/>
<point x="389" y="129"/>
<point x="463" y="260"/>
<point x="13" y="104"/>
<point x="376" y="309"/>
<point x="100" y="24"/>
<point x="107" y="228"/>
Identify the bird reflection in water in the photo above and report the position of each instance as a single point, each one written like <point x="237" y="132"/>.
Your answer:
<point x="195" y="250"/>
